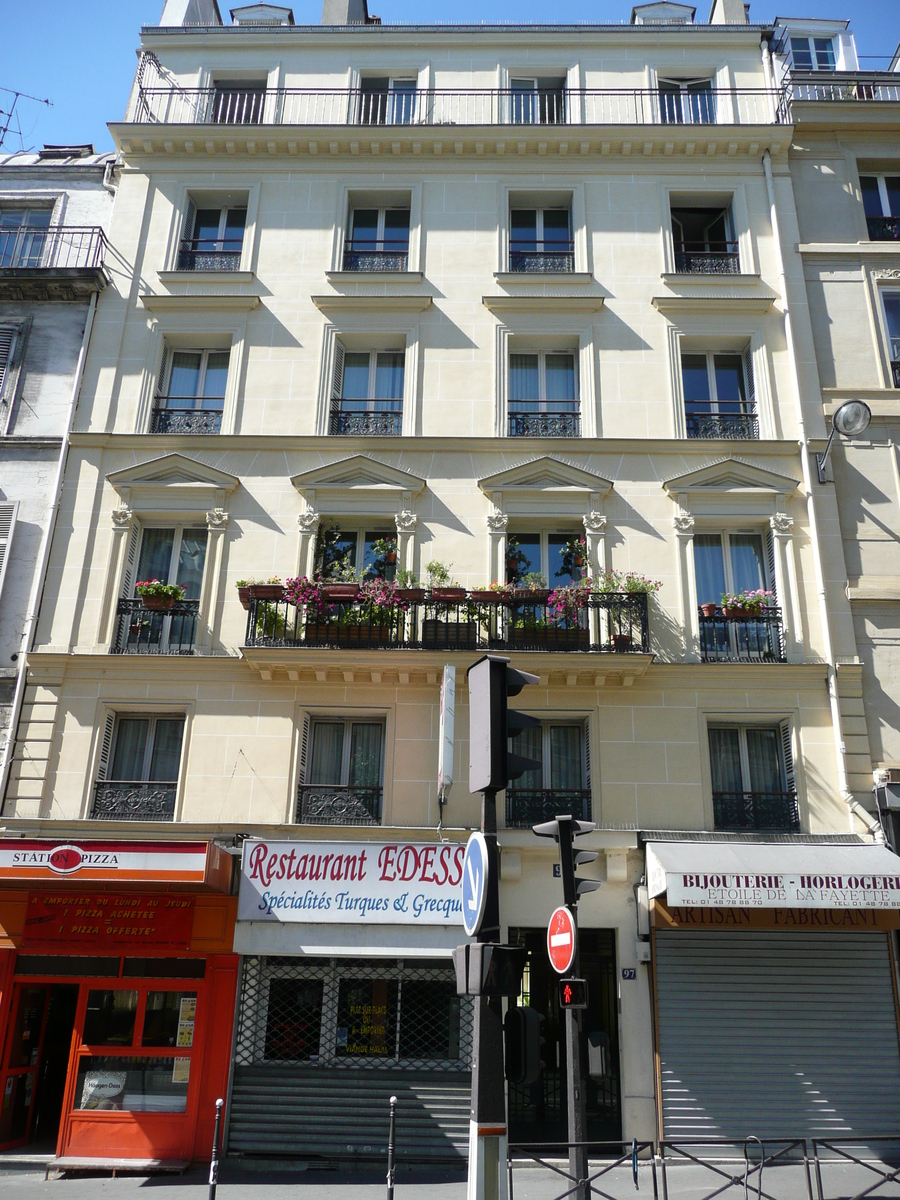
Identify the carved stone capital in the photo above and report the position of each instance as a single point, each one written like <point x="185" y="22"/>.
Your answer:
<point x="781" y="523"/>
<point x="497" y="522"/>
<point x="216" y="518"/>
<point x="684" y="523"/>
<point x="406" y="521"/>
<point x="122" y="518"/>
<point x="308" y="521"/>
<point x="887" y="273"/>
<point x="594" y="522"/>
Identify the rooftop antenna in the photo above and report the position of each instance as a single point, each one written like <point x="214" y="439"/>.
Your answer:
<point x="7" y="116"/>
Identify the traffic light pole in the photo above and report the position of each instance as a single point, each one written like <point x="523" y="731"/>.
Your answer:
<point x="575" y="1094"/>
<point x="487" y="1126"/>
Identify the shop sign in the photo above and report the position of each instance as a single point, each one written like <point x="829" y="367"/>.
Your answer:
<point x="351" y="883"/>
<point x="665" y="916"/>
<point x="144" y="862"/>
<point x="756" y="890"/>
<point x="94" y="921"/>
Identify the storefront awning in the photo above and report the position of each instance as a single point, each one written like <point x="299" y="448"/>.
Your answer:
<point x="753" y="875"/>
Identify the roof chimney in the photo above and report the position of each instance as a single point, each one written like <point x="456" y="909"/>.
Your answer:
<point x="190" y="12"/>
<point x="728" y="12"/>
<point x="345" y="12"/>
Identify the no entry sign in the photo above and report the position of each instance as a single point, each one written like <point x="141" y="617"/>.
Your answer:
<point x="561" y="940"/>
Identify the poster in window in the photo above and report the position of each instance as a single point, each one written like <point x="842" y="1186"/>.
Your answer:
<point x="103" y="1090"/>
<point x="181" y="1071"/>
<point x="367" y="1018"/>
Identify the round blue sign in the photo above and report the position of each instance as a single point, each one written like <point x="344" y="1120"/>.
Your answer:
<point x="474" y="883"/>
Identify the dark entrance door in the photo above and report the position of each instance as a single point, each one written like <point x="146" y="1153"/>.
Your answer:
<point x="54" y="1063"/>
<point x="537" y="1113"/>
<point x="37" y="1062"/>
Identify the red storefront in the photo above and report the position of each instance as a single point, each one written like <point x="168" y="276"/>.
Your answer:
<point x="117" y="993"/>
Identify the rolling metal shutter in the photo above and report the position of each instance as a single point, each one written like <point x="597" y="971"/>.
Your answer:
<point x="776" y="1034"/>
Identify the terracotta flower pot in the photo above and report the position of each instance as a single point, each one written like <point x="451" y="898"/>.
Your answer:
<point x="448" y="594"/>
<point x="578" y="561"/>
<point x="621" y="641"/>
<point x="737" y="612"/>
<point x="486" y="596"/>
<point x="158" y="603"/>
<point x="266" y="591"/>
<point x="708" y="610"/>
<point x="341" y="591"/>
<point x="415" y="595"/>
<point x="390" y="557"/>
<point x="244" y="596"/>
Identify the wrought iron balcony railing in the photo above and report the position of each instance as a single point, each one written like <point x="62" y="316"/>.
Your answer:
<point x="184" y="420"/>
<point x="697" y="258"/>
<point x="67" y="248"/>
<point x="324" y="804"/>
<point x="141" y="800"/>
<point x="382" y="256"/>
<point x="727" y="426"/>
<point x="818" y="86"/>
<point x="366" y="424"/>
<point x="775" y="811"/>
<point x="141" y="630"/>
<point x="525" y="808"/>
<point x="209" y="254"/>
<point x="747" y="639"/>
<point x="545" y="425"/>
<point x="883" y="229"/>
<point x="458" y="106"/>
<point x="608" y="622"/>
<point x="539" y="258"/>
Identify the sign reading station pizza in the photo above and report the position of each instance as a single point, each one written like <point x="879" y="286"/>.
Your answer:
<point x="98" y="920"/>
<point x="122" y="862"/>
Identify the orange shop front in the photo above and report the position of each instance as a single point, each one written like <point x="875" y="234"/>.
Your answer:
<point x="117" y="993"/>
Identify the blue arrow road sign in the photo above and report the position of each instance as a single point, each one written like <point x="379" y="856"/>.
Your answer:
<point x="474" y="883"/>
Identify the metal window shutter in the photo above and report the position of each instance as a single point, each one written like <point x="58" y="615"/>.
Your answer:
<point x="7" y="525"/>
<point x="7" y="338"/>
<point x="776" y="1034"/>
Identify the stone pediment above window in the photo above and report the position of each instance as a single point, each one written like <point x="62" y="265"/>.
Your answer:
<point x="731" y="485"/>
<point x="173" y="483"/>
<point x="525" y="488"/>
<point x="357" y="484"/>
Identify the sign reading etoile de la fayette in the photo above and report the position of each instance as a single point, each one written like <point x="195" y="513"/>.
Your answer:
<point x="779" y="890"/>
<point x="351" y="883"/>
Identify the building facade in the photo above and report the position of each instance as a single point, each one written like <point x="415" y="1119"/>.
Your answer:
<point x="422" y="342"/>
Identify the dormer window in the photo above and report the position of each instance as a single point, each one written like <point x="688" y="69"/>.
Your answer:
<point x="812" y="54"/>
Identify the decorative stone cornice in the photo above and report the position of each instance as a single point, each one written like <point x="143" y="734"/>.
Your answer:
<point x="594" y="522"/>
<point x="497" y="522"/>
<point x="122" y="518"/>
<point x="781" y="524"/>
<point x="216" y="518"/>
<point x="406" y="521"/>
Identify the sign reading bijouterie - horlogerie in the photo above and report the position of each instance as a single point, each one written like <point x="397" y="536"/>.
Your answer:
<point x="358" y="883"/>
<point x="783" y="891"/>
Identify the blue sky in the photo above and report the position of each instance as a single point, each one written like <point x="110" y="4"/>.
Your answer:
<point x="81" y="53"/>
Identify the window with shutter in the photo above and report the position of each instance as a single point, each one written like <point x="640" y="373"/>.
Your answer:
<point x="787" y="756"/>
<point x="337" y="382"/>
<point x="106" y="745"/>
<point x="770" y="566"/>
<point x="190" y="218"/>
<point x="131" y="560"/>
<point x="7" y="342"/>
<point x="748" y="376"/>
<point x="162" y="380"/>
<point x="587" y="756"/>
<point x="7" y="525"/>
<point x="304" y="748"/>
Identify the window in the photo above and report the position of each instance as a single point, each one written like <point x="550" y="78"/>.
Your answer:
<point x="344" y="773"/>
<point x="238" y="101"/>
<point x="543" y="395"/>
<point x="174" y="555"/>
<point x="686" y="102"/>
<point x="881" y="202"/>
<point x="729" y="564"/>
<point x="892" y="318"/>
<point x="537" y="101"/>
<point x="719" y="396"/>
<point x="379" y="240"/>
<point x="540" y="239"/>
<point x="367" y="393"/>
<point x="753" y="777"/>
<point x="367" y="554"/>
<point x="213" y="238"/>
<point x="191" y="395"/>
<point x="704" y="241"/>
<point x="137" y="775"/>
<point x="558" y="557"/>
<point x="559" y="784"/>
<point x="812" y="54"/>
<point x="23" y="236"/>
<point x="387" y="101"/>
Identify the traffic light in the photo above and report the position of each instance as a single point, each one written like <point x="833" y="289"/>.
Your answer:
<point x="492" y="723"/>
<point x="485" y="969"/>
<point x="523" y="1041"/>
<point x="564" y="829"/>
<point x="573" y="993"/>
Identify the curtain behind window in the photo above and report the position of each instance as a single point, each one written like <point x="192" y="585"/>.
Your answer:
<point x="366" y="754"/>
<point x="327" y="748"/>
<point x="725" y="760"/>
<point x="566" y="773"/>
<point x="764" y="762"/>
<point x="131" y="743"/>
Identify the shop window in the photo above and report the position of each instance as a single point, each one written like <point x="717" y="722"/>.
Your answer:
<point x="545" y="559"/>
<point x="110" y="1017"/>
<point x="190" y="397"/>
<point x="812" y="54"/>
<point x="892" y="320"/>
<point x="293" y="1016"/>
<point x="367" y="393"/>
<point x="719" y="396"/>
<point x="130" y="1083"/>
<point x="543" y="395"/>
<point x="63" y="965"/>
<point x="169" y="1019"/>
<point x="686" y="102"/>
<point x="379" y="239"/>
<point x="367" y="1019"/>
<point x="881" y="202"/>
<point x="356" y="553"/>
<point x="540" y="240"/>
<point x="753" y="777"/>
<point x="435" y="1031"/>
<point x="560" y="781"/>
<point x="163" y="968"/>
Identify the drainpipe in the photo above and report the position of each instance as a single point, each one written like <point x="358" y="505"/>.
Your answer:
<point x="828" y="648"/>
<point x="37" y="586"/>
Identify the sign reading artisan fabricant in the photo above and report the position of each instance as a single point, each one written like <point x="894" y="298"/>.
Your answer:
<point x="144" y="862"/>
<point x="843" y="919"/>
<point x="95" y="920"/>
<point x="803" y="876"/>
<point x="367" y="883"/>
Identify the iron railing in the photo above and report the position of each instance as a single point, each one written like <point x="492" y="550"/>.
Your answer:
<point x="895" y="372"/>
<point x="459" y="106"/>
<point x="617" y="1164"/>
<point x="69" y="247"/>
<point x="209" y="254"/>
<point x="735" y="1168"/>
<point x="698" y="258"/>
<point x="876" y="1156"/>
<point x="883" y="229"/>
<point x="727" y="426"/>
<point x="541" y="257"/>
<point x="365" y="424"/>
<point x="324" y="804"/>
<point x="608" y="622"/>
<point x="757" y="811"/>
<point x="842" y="86"/>
<point x="185" y="420"/>
<point x="133" y="800"/>
<point x="545" y="425"/>
<point x="379" y="257"/>
<point x="141" y="630"/>
<point x="525" y="807"/>
<point x="750" y="639"/>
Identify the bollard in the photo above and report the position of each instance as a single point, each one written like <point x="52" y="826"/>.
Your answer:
<point x="214" y="1161"/>
<point x="391" y="1129"/>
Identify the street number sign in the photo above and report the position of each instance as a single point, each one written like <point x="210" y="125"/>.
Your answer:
<point x="474" y="883"/>
<point x="561" y="940"/>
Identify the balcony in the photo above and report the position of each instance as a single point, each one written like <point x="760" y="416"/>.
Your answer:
<point x="52" y="264"/>
<point x="698" y="258"/>
<point x="527" y="808"/>
<point x="365" y="424"/>
<point x="757" y="811"/>
<point x="382" y="256"/>
<point x="140" y="630"/>
<point x="883" y="229"/>
<point x="460" y="107"/>
<point x="165" y="419"/>
<point x="209" y="254"/>
<point x="750" y="639"/>
<point x="609" y="623"/>
<point x="542" y="257"/>
<point x="140" y="800"/>
<point x="825" y="87"/>
<point x="732" y="427"/>
<point x="323" y="804"/>
<point x="545" y="425"/>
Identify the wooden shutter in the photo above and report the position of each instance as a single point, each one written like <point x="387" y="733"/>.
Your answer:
<point x="190" y="217"/>
<point x="587" y="762"/>
<point x="7" y="342"/>
<point x="748" y="380"/>
<point x="770" y="564"/>
<point x="787" y="756"/>
<point x="304" y="748"/>
<point x="337" y="382"/>
<point x="7" y="525"/>
<point x="162" y="381"/>
<point x="106" y="742"/>
<point x="130" y="561"/>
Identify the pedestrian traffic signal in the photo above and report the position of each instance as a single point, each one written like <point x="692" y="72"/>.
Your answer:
<point x="492" y="723"/>
<point x="486" y="969"/>
<point x="564" y="829"/>
<point x="523" y="1041"/>
<point x="573" y="993"/>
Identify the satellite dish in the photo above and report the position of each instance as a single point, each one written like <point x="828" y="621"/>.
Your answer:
<point x="852" y="418"/>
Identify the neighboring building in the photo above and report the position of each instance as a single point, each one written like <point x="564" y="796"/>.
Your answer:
<point x="519" y="302"/>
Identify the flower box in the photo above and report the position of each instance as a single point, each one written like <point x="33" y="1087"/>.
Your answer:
<point x="266" y="591"/>
<point x="621" y="641"/>
<point x="486" y="596"/>
<point x="331" y="632"/>
<point x="244" y="597"/>
<point x="531" y="595"/>
<point x="414" y="595"/>
<point x="734" y="611"/>
<point x="548" y="637"/>
<point x="158" y="603"/>
<point x="448" y="594"/>
<point x="447" y="635"/>
<point x="340" y="591"/>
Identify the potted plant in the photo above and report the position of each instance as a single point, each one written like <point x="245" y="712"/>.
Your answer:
<point x="516" y="560"/>
<point x="440" y="585"/>
<point x="268" y="589"/>
<point x="495" y="593"/>
<point x="747" y="603"/>
<point x="621" y="615"/>
<point x="376" y="615"/>
<point x="408" y="587"/>
<point x="574" y="556"/>
<point x="340" y="581"/>
<point x="708" y="610"/>
<point x="158" y="596"/>
<point x="243" y="590"/>
<point x="385" y="551"/>
<point x="532" y="588"/>
<point x="565" y="613"/>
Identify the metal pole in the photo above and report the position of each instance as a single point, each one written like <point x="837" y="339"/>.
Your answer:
<point x="391" y="1144"/>
<point x="214" y="1161"/>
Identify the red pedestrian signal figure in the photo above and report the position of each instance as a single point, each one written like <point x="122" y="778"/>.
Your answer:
<point x="567" y="993"/>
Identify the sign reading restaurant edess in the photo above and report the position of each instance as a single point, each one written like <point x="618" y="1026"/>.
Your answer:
<point x="399" y="883"/>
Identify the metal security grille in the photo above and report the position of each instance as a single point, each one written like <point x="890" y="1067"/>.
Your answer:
<point x="322" y="1043"/>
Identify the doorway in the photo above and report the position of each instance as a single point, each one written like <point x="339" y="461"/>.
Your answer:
<point x="37" y="1064"/>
